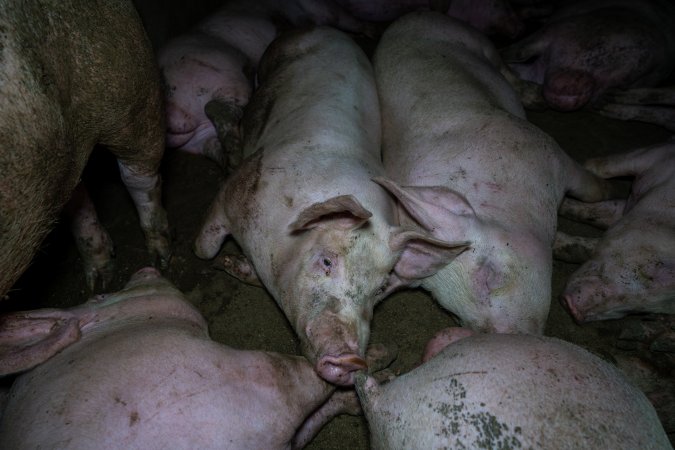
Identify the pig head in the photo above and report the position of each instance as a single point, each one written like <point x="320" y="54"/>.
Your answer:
<point x="302" y="206"/>
<point x="588" y="47"/>
<point x="479" y="172"/>
<point x="632" y="266"/>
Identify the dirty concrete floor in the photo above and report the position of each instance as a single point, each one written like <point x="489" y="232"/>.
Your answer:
<point x="243" y="316"/>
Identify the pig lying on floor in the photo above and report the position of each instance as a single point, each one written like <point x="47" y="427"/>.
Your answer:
<point x="510" y="391"/>
<point x="465" y="164"/>
<point x="588" y="47"/>
<point x="632" y="266"/>
<point x="318" y="233"/>
<point x="136" y="369"/>
<point x="215" y="64"/>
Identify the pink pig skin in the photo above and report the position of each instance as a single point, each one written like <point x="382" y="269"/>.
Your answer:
<point x="510" y="391"/>
<point x="588" y="47"/>
<point x="136" y="369"/>
<point x="632" y="266"/>
<point x="479" y="171"/>
<point x="318" y="232"/>
<point x="217" y="62"/>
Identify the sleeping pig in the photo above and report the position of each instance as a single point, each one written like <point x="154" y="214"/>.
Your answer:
<point x="631" y="268"/>
<point x="588" y="47"/>
<point x="215" y="63"/>
<point x="465" y="165"/>
<point x="136" y="369"/>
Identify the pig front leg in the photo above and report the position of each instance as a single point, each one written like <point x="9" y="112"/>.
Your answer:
<point x="92" y="240"/>
<point x="225" y="116"/>
<point x="239" y="267"/>
<point x="652" y="105"/>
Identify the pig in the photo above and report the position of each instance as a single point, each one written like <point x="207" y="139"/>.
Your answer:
<point x="493" y="17"/>
<point x="588" y="47"/>
<point x="652" y="105"/>
<point x="480" y="172"/>
<point x="510" y="391"/>
<point x="632" y="265"/>
<point x="91" y="80"/>
<point x="314" y="228"/>
<point x="137" y="369"/>
<point x="214" y="64"/>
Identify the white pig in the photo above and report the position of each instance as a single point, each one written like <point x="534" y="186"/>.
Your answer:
<point x="302" y="206"/>
<point x="632" y="266"/>
<point x="136" y="369"/>
<point x="510" y="391"/>
<point x="466" y="165"/>
<point x="216" y="63"/>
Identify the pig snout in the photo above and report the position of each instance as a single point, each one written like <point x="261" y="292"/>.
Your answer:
<point x="335" y="339"/>
<point x="568" y="90"/>
<point x="340" y="369"/>
<point x="589" y="298"/>
<point x="146" y="273"/>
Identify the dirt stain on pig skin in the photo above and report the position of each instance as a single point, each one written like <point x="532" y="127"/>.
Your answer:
<point x="134" y="418"/>
<point x="243" y="187"/>
<point x="489" y="432"/>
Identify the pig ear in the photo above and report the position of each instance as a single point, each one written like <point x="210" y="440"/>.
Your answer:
<point x="421" y="254"/>
<point x="30" y="338"/>
<point x="342" y="212"/>
<point x="214" y="229"/>
<point x="435" y="208"/>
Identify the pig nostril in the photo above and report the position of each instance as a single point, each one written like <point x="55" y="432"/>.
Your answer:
<point x="340" y="369"/>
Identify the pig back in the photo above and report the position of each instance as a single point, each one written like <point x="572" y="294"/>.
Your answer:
<point x="498" y="391"/>
<point x="316" y="86"/>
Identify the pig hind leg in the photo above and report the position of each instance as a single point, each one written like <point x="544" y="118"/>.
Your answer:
<point x="139" y="148"/>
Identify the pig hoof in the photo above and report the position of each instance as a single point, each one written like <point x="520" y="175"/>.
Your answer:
<point x="340" y="370"/>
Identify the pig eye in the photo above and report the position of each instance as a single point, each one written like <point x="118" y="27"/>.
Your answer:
<point x="326" y="262"/>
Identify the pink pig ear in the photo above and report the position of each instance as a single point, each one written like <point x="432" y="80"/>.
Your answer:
<point x="32" y="337"/>
<point x="437" y="209"/>
<point x="341" y="212"/>
<point x="421" y="254"/>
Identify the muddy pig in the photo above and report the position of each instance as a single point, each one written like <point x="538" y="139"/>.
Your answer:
<point x="493" y="17"/>
<point x="74" y="74"/>
<point x="136" y="369"/>
<point x="215" y="64"/>
<point x="588" y="47"/>
<point x="632" y="266"/>
<point x="480" y="172"/>
<point x="510" y="391"/>
<point x="314" y="228"/>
